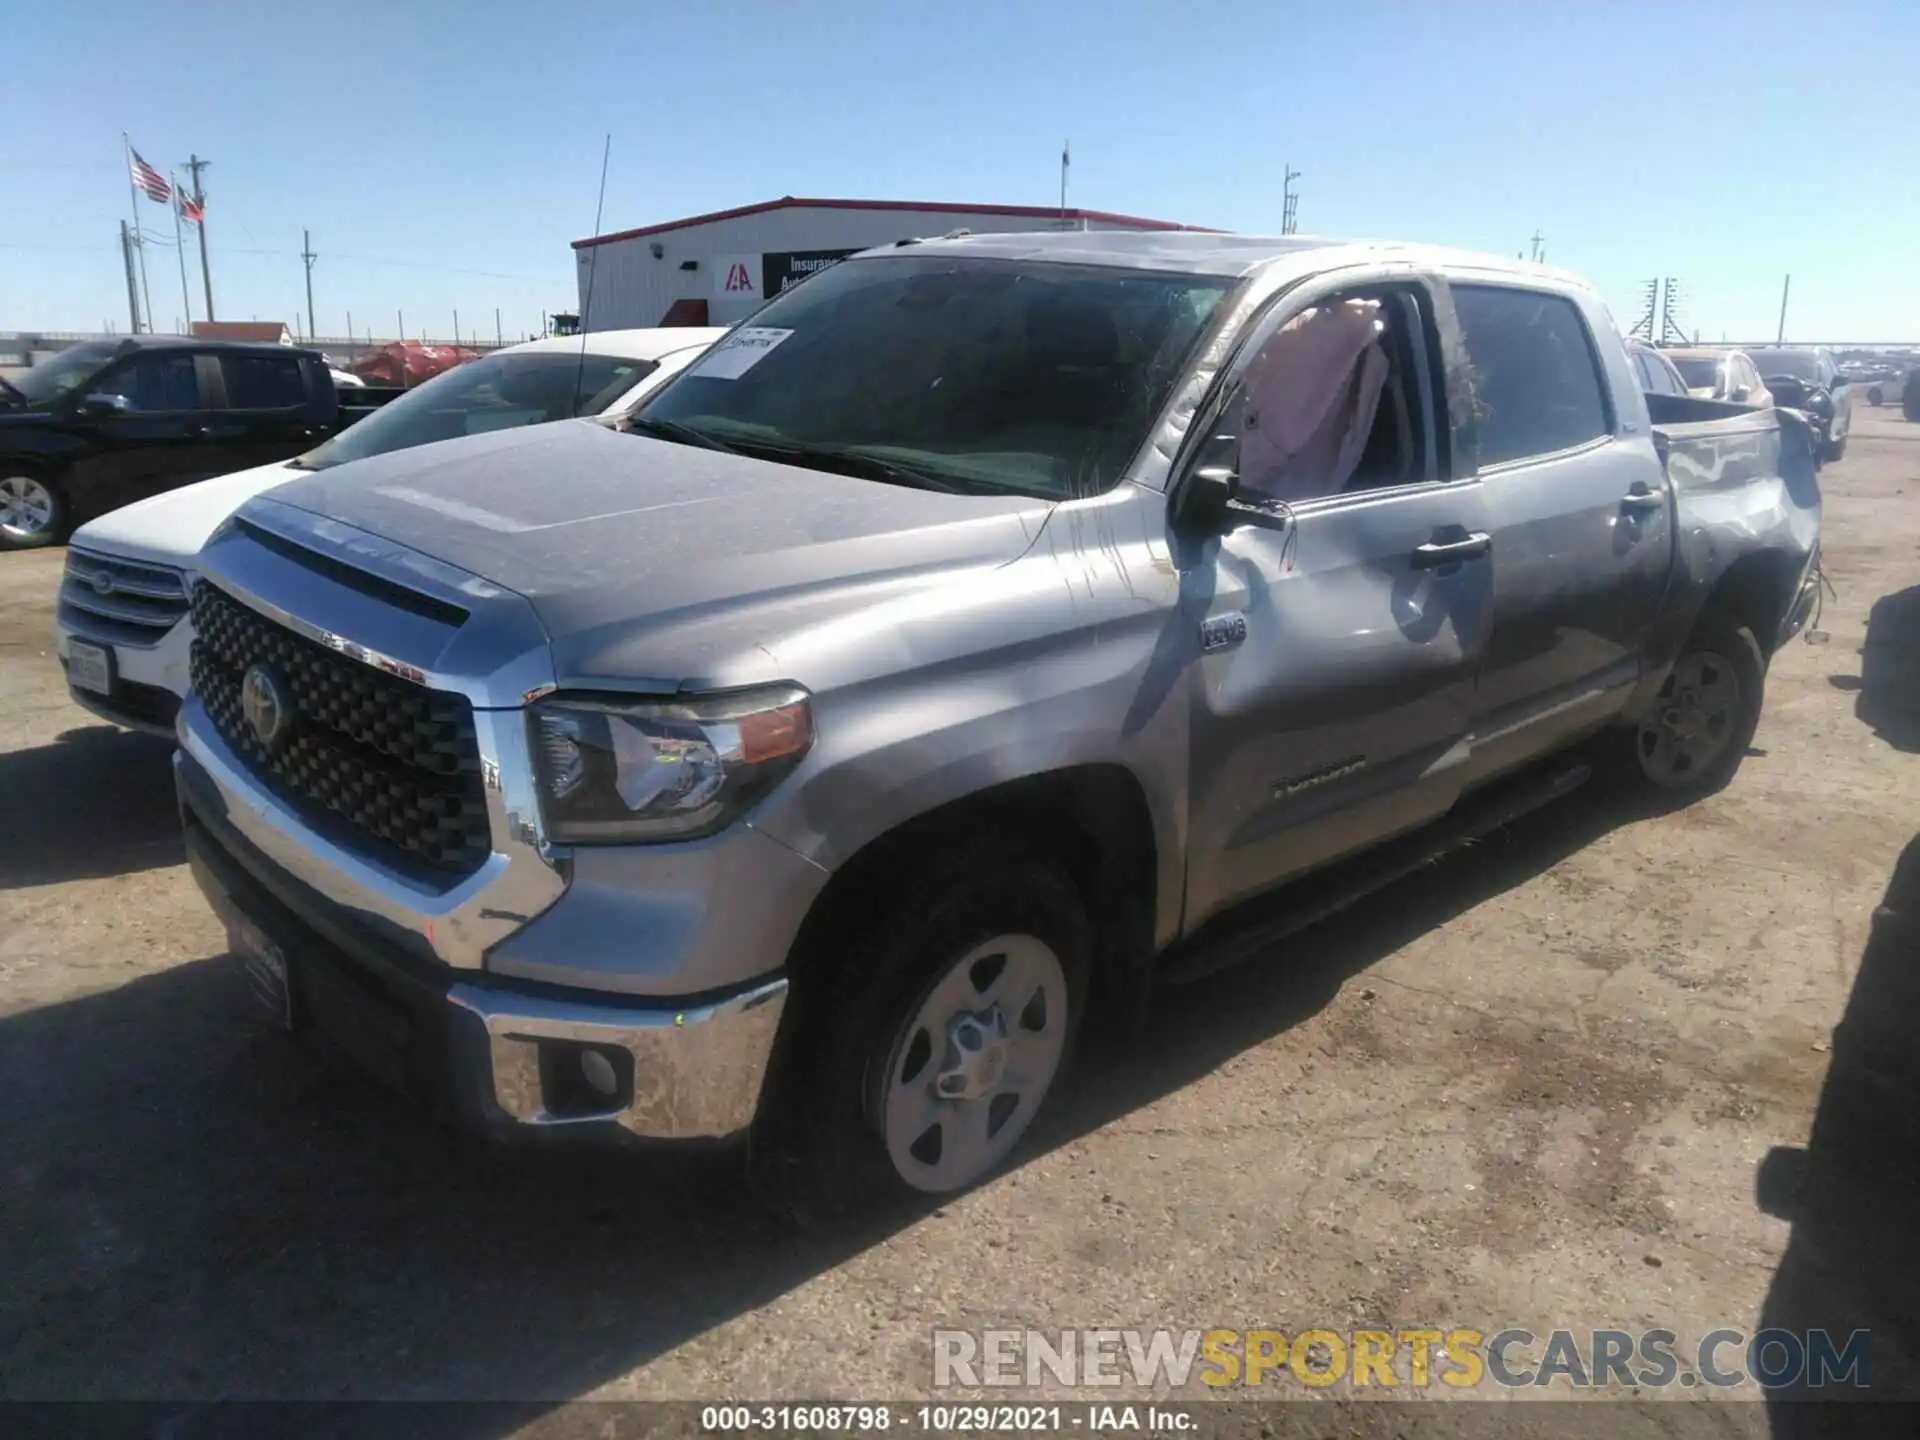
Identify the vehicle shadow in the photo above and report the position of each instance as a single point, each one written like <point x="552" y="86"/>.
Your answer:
<point x="197" y="1208"/>
<point x="1889" y="683"/>
<point x="1853" y="1259"/>
<point x="97" y="801"/>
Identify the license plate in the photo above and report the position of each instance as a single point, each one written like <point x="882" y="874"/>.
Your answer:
<point x="90" y="667"/>
<point x="266" y="968"/>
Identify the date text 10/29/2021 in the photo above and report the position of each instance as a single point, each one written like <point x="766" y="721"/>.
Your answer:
<point x="1097" y="1419"/>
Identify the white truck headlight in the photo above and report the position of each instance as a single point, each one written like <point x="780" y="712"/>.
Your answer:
<point x="617" y="771"/>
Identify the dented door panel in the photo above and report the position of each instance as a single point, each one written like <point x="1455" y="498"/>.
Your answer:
<point x="1342" y="718"/>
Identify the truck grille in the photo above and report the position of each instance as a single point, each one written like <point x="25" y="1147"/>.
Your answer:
<point x="127" y="602"/>
<point x="393" y="766"/>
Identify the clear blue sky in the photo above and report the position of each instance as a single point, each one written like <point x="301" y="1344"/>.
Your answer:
<point x="444" y="155"/>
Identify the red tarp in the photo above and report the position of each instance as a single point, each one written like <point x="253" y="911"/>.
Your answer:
<point x="408" y="362"/>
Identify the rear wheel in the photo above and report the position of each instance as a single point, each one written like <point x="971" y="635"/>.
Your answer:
<point x="927" y="1035"/>
<point x="1874" y="396"/>
<point x="1836" y="449"/>
<point x="32" y="511"/>
<point x="1693" y="739"/>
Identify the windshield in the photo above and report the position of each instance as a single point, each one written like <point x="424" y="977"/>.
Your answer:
<point x="497" y="393"/>
<point x="1795" y="363"/>
<point x="1701" y="374"/>
<point x="64" y="373"/>
<point x="973" y="374"/>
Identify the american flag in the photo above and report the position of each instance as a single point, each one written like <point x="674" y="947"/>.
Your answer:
<point x="190" y="210"/>
<point x="150" y="179"/>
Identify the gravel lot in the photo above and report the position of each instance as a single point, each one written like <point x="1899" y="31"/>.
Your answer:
<point x="1534" y="1086"/>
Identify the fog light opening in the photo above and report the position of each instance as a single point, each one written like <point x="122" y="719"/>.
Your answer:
<point x="584" y="1081"/>
<point x="598" y="1072"/>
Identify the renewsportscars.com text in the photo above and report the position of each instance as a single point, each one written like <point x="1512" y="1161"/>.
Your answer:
<point x="1460" y="1357"/>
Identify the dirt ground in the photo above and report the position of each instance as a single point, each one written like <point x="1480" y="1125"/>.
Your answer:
<point x="1534" y="1086"/>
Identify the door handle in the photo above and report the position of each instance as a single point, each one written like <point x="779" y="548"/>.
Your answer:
<point x="1641" y="498"/>
<point x="1450" y="552"/>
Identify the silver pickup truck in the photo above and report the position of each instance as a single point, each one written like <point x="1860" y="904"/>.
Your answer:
<point x="991" y="623"/>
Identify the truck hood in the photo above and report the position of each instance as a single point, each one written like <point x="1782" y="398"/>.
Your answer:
<point x="169" y="529"/>
<point x="647" y="560"/>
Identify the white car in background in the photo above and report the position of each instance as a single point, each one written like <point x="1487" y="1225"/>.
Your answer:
<point x="1721" y="375"/>
<point x="124" y="633"/>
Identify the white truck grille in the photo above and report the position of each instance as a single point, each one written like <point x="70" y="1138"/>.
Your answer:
<point x="127" y="602"/>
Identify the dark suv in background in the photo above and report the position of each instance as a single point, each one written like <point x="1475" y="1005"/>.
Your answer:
<point x="112" y="421"/>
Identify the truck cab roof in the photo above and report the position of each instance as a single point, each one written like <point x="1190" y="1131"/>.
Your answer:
<point x="1206" y="253"/>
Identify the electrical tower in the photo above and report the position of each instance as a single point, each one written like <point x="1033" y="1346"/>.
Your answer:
<point x="1659" y="322"/>
<point x="1647" y="327"/>
<point x="1670" y="331"/>
<point x="1290" y="204"/>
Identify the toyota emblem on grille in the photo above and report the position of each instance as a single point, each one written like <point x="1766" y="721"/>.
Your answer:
<point x="102" y="582"/>
<point x="263" y="696"/>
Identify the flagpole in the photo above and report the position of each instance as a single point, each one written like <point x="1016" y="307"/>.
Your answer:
<point x="133" y="198"/>
<point x="180" y="248"/>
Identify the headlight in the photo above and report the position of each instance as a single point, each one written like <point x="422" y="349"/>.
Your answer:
<point x="616" y="771"/>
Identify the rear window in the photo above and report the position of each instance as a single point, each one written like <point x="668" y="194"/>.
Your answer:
<point x="1795" y="364"/>
<point x="1536" y="385"/>
<point x="1698" y="373"/>
<point x="264" y="382"/>
<point x="500" y="392"/>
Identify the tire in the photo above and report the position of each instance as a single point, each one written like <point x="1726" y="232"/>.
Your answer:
<point x="1874" y="397"/>
<point x="33" y="512"/>
<point x="912" y="999"/>
<point x="1837" y="450"/>
<point x="1693" y="740"/>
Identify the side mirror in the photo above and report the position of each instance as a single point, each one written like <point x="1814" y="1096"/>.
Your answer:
<point x="1201" y="505"/>
<point x="1740" y="394"/>
<point x="103" y="404"/>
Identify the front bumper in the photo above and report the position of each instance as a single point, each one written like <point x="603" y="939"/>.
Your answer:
<point x="498" y="1056"/>
<point x="148" y="681"/>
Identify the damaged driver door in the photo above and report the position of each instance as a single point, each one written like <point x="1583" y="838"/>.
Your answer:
<point x="1351" y="594"/>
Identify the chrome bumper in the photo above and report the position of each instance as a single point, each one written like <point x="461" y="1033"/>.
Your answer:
<point x="696" y="1072"/>
<point x="503" y="1056"/>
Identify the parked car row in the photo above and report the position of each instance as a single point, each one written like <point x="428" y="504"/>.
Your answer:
<point x="104" y="423"/>
<point x="794" y="751"/>
<point x="1803" y="378"/>
<point x="125" y="632"/>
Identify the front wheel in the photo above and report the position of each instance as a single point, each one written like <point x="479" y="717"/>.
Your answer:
<point x="1874" y="397"/>
<point x="1836" y="449"/>
<point x="32" y="511"/>
<point x="928" y="1036"/>
<point x="1693" y="739"/>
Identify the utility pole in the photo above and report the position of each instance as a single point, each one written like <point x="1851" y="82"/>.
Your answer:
<point x="1065" y="146"/>
<point x="400" y="319"/>
<point x="1537" y="241"/>
<point x="306" y="254"/>
<point x="498" y="339"/>
<point x="456" y="328"/>
<point x="133" y="291"/>
<point x="1781" y="338"/>
<point x="194" y="166"/>
<point x="1290" y="204"/>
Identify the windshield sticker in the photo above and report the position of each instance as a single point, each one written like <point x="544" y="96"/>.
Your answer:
<point x="739" y="352"/>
